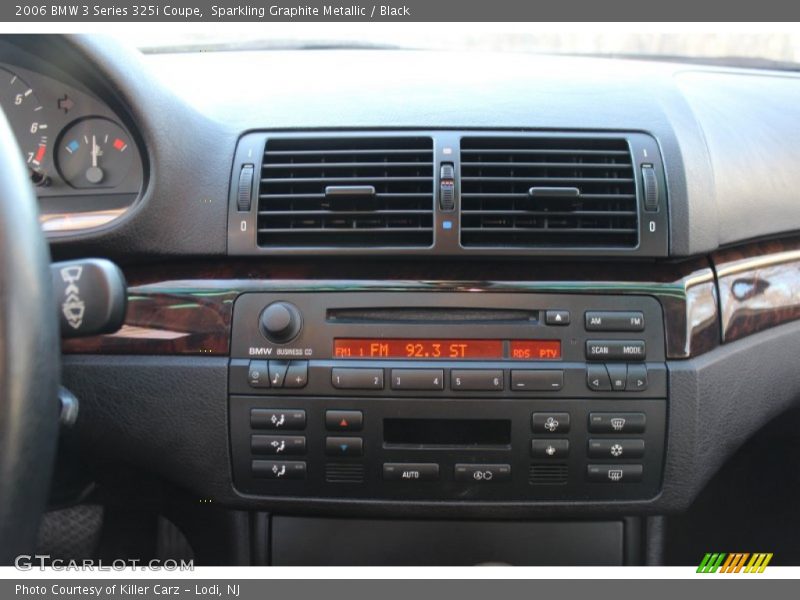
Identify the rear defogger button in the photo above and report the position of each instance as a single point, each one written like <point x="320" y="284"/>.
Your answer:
<point x="615" y="350"/>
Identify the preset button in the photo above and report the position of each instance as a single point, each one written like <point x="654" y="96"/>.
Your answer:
<point x="537" y="380"/>
<point x="464" y="380"/>
<point x="417" y="379"/>
<point x="357" y="379"/>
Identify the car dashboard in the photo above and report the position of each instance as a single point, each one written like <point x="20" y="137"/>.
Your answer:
<point x="385" y="294"/>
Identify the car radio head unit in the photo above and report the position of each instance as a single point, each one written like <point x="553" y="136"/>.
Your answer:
<point x="461" y="396"/>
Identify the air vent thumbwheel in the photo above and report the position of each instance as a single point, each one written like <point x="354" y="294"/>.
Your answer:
<point x="280" y="322"/>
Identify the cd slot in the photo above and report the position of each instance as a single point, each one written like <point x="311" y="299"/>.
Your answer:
<point x="450" y="315"/>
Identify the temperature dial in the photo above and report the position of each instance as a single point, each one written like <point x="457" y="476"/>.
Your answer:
<point x="94" y="153"/>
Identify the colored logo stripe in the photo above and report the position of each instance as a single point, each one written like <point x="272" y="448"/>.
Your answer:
<point x="711" y="562"/>
<point x="734" y="562"/>
<point x="758" y="563"/>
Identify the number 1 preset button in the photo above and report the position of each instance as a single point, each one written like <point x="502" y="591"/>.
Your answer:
<point x="357" y="379"/>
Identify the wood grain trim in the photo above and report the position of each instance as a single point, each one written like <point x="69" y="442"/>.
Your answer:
<point x="759" y="286"/>
<point x="691" y="323"/>
<point x="170" y="317"/>
<point x="186" y="308"/>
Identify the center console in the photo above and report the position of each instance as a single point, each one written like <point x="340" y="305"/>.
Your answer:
<point x="464" y="396"/>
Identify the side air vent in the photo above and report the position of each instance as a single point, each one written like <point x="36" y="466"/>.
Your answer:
<point x="340" y="192"/>
<point x="548" y="192"/>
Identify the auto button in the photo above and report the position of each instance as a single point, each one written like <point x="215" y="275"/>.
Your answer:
<point x="410" y="471"/>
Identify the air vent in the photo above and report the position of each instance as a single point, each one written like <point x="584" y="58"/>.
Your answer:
<point x="346" y="192"/>
<point x="548" y="474"/>
<point x="547" y="192"/>
<point x="344" y="473"/>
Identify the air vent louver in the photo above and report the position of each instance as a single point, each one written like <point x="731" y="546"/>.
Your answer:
<point x="548" y="474"/>
<point x="346" y="192"/>
<point x="547" y="192"/>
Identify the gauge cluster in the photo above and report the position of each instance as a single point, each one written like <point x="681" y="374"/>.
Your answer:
<point x="83" y="161"/>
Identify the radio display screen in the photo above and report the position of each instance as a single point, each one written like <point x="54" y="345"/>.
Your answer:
<point x="535" y="349"/>
<point x="452" y="349"/>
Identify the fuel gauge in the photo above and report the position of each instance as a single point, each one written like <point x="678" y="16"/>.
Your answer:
<point x="94" y="153"/>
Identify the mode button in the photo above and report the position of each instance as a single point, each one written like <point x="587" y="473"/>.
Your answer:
<point x="609" y="350"/>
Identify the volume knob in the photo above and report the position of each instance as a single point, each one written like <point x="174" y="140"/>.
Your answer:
<point x="280" y="322"/>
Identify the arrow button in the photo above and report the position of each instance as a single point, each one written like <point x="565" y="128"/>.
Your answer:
<point x="597" y="378"/>
<point x="637" y="378"/>
<point x="344" y="446"/>
<point x="344" y="420"/>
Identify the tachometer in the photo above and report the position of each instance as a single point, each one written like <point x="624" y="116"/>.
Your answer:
<point x="23" y="111"/>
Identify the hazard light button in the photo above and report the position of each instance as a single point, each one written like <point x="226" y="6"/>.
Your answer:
<point x="344" y="420"/>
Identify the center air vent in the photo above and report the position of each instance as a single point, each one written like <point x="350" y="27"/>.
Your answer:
<point x="548" y="192"/>
<point x="339" y="192"/>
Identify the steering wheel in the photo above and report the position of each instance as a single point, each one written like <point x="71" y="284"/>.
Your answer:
<point x="29" y="358"/>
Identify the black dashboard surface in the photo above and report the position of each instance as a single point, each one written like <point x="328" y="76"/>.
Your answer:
<point x="190" y="109"/>
<point x="187" y="112"/>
